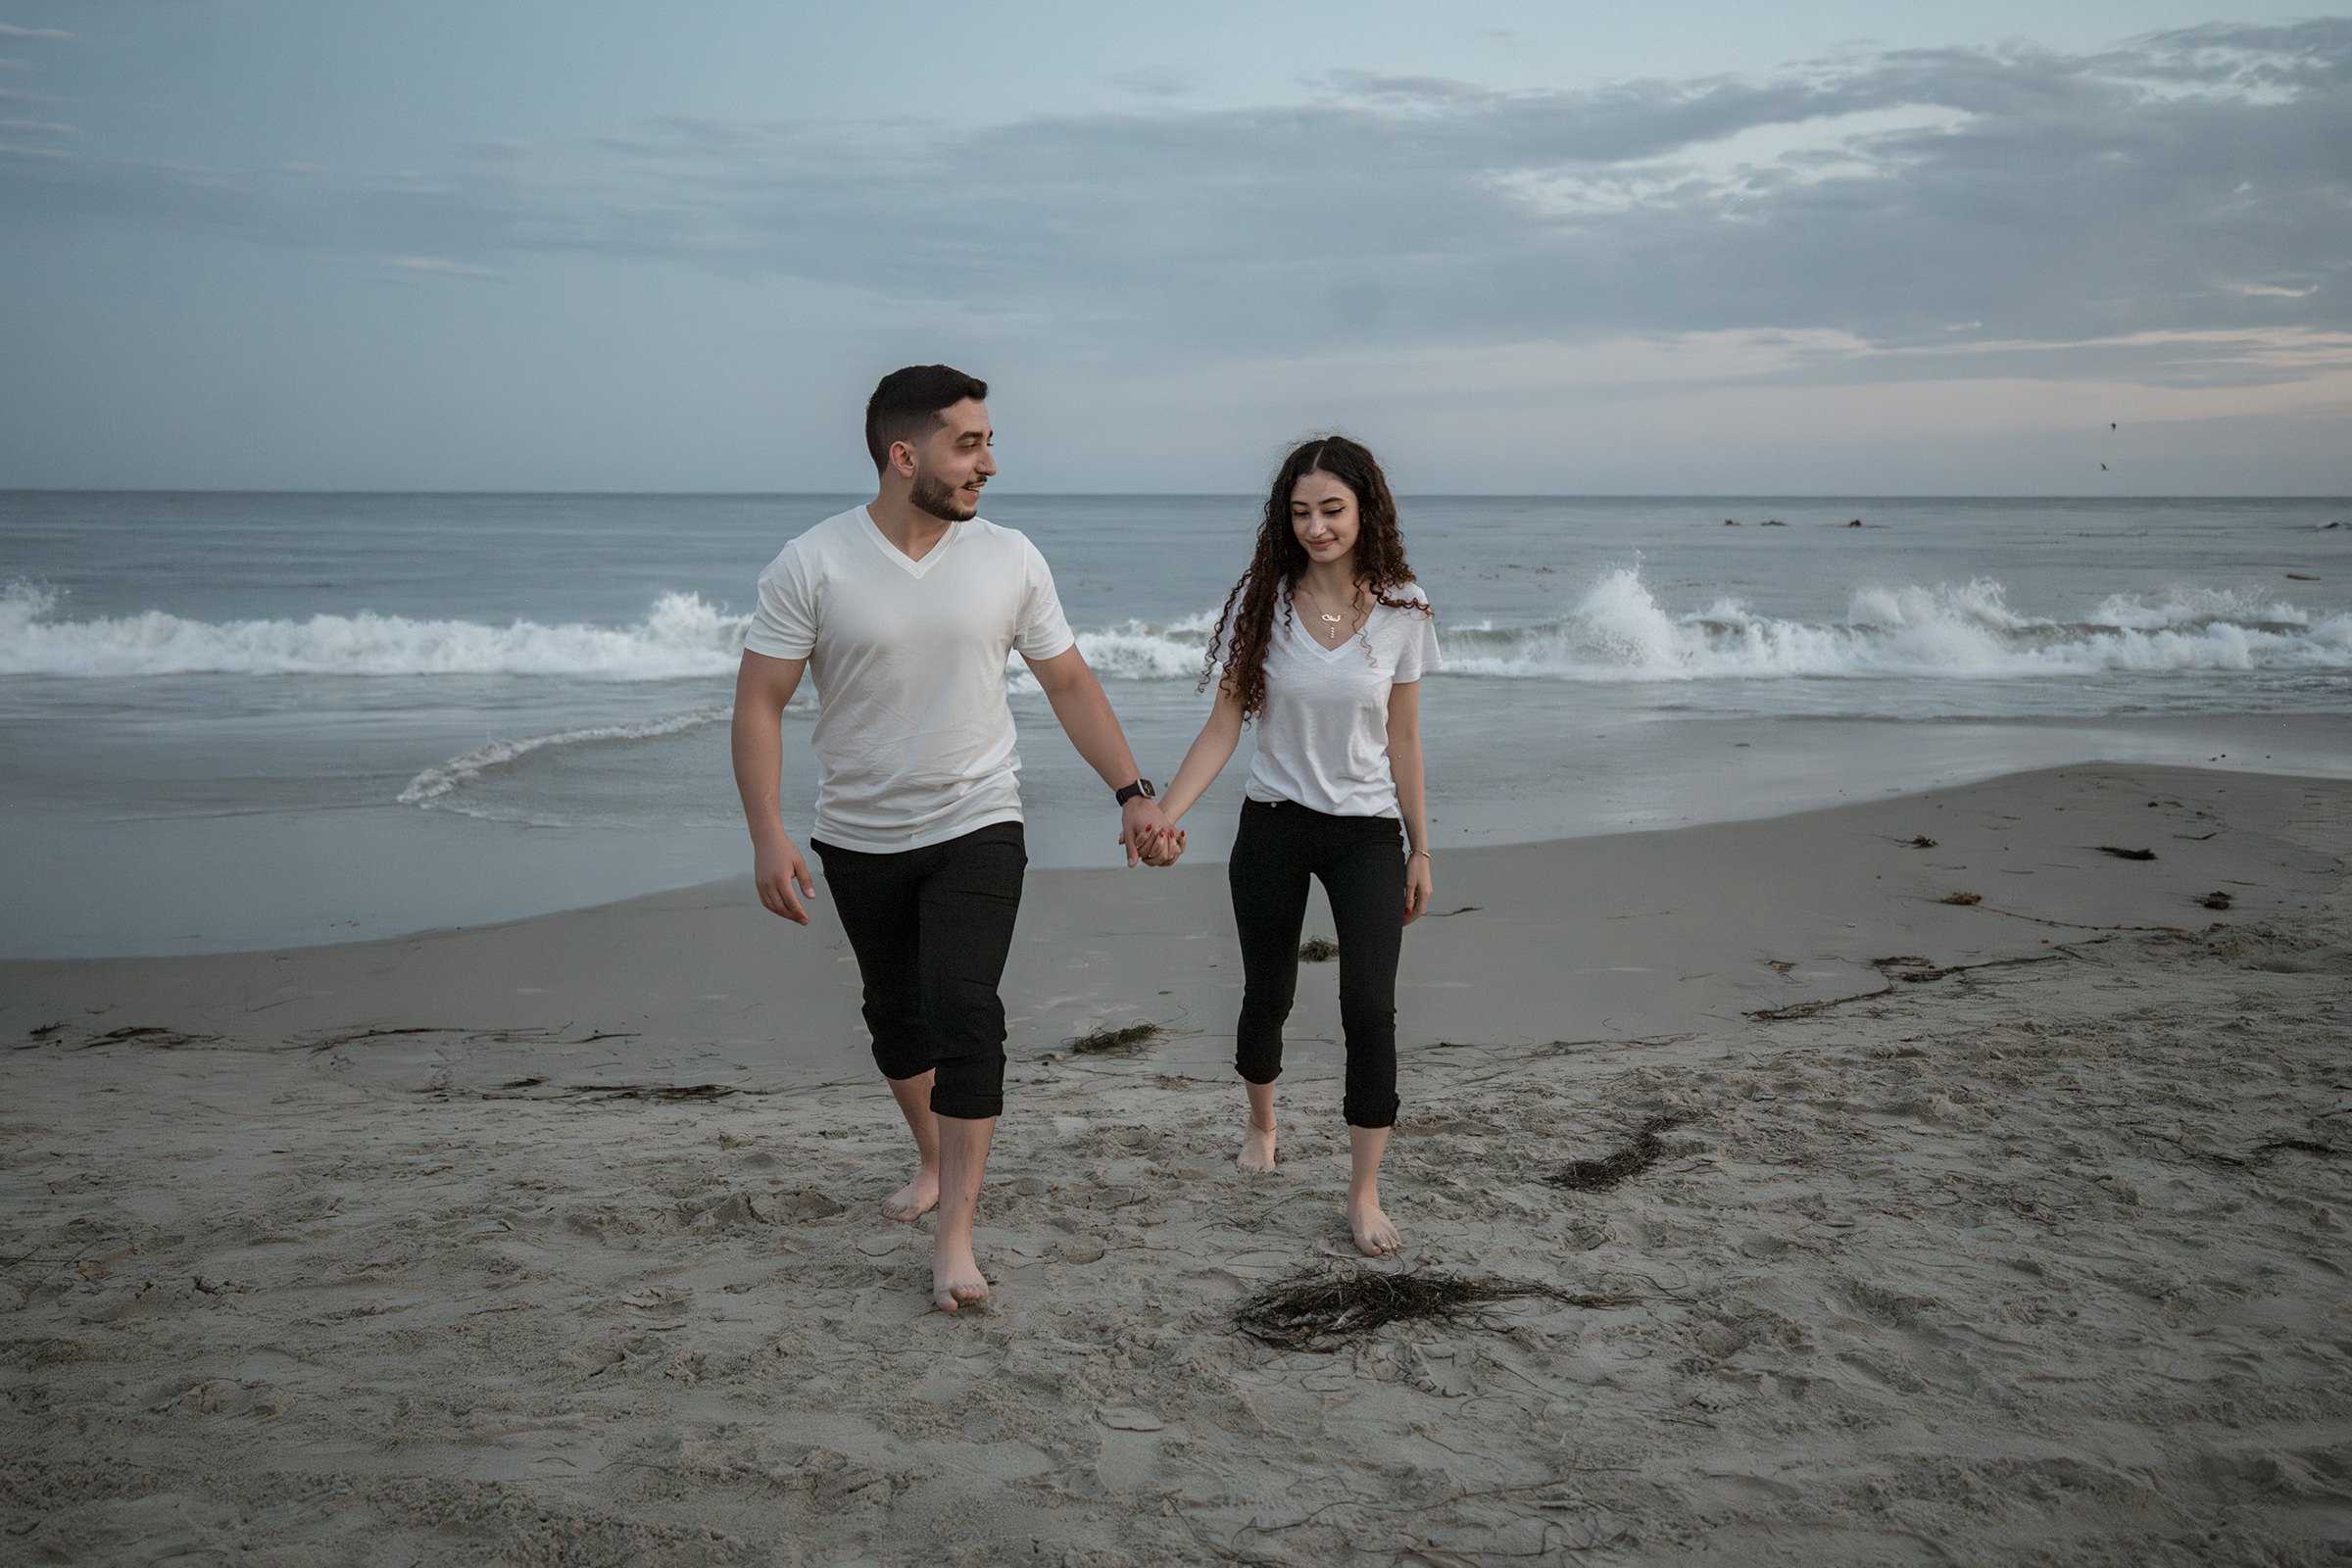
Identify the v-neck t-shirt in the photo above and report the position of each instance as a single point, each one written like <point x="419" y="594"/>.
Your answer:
<point x="1323" y="735"/>
<point x="914" y="739"/>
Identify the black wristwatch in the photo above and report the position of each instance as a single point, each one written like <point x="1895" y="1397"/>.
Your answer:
<point x="1142" y="786"/>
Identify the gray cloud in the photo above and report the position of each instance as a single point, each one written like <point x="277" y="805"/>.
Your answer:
<point x="2197" y="182"/>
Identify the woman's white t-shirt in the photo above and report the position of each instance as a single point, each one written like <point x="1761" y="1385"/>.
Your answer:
<point x="1323" y="735"/>
<point x="914" y="741"/>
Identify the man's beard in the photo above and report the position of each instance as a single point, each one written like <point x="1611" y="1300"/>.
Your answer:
<point x="942" y="502"/>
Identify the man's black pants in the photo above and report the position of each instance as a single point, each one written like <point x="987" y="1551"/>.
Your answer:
<point x="1361" y="862"/>
<point x="931" y="929"/>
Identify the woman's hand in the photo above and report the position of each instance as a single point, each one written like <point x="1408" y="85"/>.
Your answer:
<point x="1420" y="886"/>
<point x="1165" y="848"/>
<point x="1151" y="841"/>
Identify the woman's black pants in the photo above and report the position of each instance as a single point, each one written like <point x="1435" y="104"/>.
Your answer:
<point x="1361" y="862"/>
<point x="931" y="929"/>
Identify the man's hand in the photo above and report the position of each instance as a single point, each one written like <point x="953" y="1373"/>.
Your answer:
<point x="782" y="878"/>
<point x="1146" y="834"/>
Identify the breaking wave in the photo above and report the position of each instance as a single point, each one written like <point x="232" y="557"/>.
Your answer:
<point x="680" y="636"/>
<point x="1617" y="631"/>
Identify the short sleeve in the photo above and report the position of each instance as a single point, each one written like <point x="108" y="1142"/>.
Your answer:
<point x="1418" y="652"/>
<point x="784" y="626"/>
<point x="1043" y="632"/>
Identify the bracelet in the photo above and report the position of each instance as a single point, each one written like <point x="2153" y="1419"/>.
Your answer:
<point x="1425" y="855"/>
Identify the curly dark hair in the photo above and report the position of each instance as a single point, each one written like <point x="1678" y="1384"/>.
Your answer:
<point x="1246" y="627"/>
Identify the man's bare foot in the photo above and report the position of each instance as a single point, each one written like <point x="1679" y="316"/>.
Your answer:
<point x="955" y="1280"/>
<point x="1375" y="1237"/>
<point x="1257" y="1147"/>
<point x="913" y="1201"/>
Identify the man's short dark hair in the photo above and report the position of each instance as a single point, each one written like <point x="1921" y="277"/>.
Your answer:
<point x="907" y="404"/>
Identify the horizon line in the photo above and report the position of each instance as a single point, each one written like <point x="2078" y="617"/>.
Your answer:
<point x="1223" y="495"/>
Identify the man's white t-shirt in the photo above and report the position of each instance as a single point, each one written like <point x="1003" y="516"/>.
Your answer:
<point x="1323" y="735"/>
<point x="914" y="741"/>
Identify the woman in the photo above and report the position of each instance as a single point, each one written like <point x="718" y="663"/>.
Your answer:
<point x="1324" y="643"/>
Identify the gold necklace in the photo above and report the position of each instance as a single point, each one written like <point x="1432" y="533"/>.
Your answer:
<point x="1335" y="626"/>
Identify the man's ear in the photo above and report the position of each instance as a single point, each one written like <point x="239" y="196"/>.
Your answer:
<point x="902" y="458"/>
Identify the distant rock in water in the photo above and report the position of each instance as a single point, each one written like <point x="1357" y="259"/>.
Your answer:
<point x="1856" y="524"/>
<point x="1734" y="523"/>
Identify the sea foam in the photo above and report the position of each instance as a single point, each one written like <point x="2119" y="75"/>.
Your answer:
<point x="1619" y="631"/>
<point x="1616" y="630"/>
<point x="468" y="767"/>
<point x="680" y="636"/>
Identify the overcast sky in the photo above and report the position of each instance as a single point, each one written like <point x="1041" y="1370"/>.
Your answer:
<point x="1836" y="248"/>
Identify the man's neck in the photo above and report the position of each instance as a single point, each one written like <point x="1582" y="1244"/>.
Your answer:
<point x="911" y="531"/>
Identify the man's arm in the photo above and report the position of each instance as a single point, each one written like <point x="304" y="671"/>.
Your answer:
<point x="763" y="686"/>
<point x="1084" y="709"/>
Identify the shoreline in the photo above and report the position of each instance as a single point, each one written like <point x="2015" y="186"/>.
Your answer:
<point x="524" y="973"/>
<point x="389" y="874"/>
<point x="2002" y="1229"/>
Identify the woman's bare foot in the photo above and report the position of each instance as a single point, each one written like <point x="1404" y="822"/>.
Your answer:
<point x="1374" y="1236"/>
<point x="956" y="1279"/>
<point x="916" y="1198"/>
<point x="1257" y="1147"/>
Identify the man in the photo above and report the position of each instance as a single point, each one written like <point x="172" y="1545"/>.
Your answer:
<point x="904" y="610"/>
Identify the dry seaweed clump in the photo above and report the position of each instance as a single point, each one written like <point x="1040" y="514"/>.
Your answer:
<point x="1322" y="1310"/>
<point x="1599" y="1175"/>
<point x="1131" y="1037"/>
<point x="1318" y="950"/>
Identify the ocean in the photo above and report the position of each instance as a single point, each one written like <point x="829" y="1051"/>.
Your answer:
<point x="275" y="719"/>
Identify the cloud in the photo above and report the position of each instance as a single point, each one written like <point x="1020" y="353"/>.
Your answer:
<point x="2171" y="195"/>
<point x="7" y="31"/>
<point x="38" y="127"/>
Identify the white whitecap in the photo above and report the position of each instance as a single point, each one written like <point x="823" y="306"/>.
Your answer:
<point x="468" y="767"/>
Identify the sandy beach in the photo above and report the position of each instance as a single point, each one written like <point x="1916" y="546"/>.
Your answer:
<point x="2001" y="1230"/>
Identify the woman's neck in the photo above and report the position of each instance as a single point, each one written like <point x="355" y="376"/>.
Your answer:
<point x="1333" y="580"/>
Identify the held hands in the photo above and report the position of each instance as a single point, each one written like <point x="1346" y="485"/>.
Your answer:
<point x="1420" y="886"/>
<point x="783" y="880"/>
<point x="1146" y="834"/>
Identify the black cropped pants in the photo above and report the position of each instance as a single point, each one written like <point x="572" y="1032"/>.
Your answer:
<point x="931" y="929"/>
<point x="1361" y="862"/>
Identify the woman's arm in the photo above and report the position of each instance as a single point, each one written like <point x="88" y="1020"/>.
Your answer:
<point x="1405" y="763"/>
<point x="1212" y="751"/>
